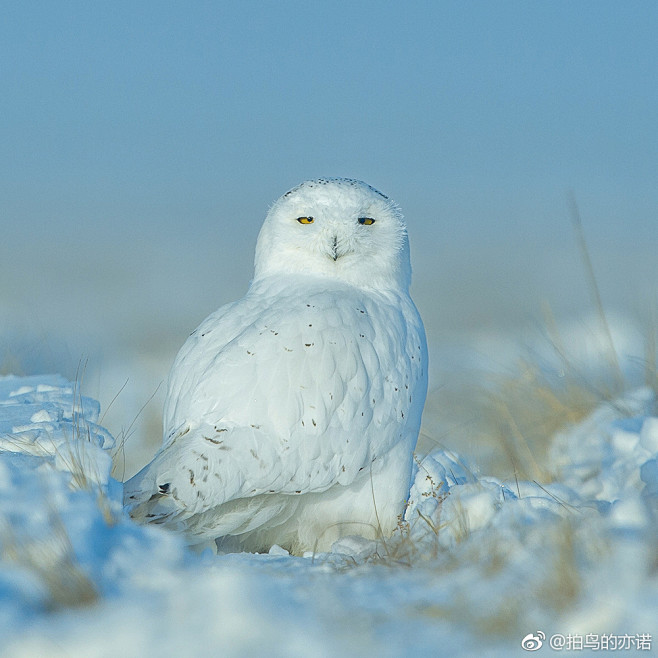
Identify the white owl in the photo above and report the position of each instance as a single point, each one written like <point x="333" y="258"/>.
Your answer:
<point x="292" y="414"/>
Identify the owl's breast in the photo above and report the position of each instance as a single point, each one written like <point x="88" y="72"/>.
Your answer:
<point x="323" y="372"/>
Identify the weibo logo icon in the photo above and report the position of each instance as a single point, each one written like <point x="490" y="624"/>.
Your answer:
<point x="533" y="642"/>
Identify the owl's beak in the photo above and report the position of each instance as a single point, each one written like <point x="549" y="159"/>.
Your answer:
<point x="334" y="249"/>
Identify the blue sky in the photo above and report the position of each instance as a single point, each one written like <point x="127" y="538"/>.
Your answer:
<point x="159" y="133"/>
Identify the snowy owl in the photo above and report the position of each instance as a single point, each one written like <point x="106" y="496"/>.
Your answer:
<point x="292" y="414"/>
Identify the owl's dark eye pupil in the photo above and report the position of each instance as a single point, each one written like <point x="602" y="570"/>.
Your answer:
<point x="366" y="221"/>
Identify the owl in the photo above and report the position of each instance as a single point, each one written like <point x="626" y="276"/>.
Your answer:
<point x="291" y="415"/>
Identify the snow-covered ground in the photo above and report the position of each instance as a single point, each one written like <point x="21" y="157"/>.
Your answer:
<point x="478" y="564"/>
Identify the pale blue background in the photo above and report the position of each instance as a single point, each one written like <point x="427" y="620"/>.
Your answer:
<point x="142" y="142"/>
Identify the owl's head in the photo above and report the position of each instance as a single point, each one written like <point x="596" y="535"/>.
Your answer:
<point x="338" y="228"/>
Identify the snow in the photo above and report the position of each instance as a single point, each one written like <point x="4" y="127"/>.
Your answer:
<point x="477" y="564"/>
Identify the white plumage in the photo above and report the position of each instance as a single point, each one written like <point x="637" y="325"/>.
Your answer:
<point x="292" y="414"/>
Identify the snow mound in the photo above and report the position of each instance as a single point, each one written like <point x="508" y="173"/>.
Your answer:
<point x="476" y="565"/>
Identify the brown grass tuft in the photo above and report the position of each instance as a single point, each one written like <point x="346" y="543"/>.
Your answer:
<point x="52" y="560"/>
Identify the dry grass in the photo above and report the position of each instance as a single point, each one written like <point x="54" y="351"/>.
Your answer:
<point x="74" y="455"/>
<point x="514" y="416"/>
<point x="51" y="558"/>
<point x="525" y="410"/>
<point x="118" y="452"/>
<point x="10" y="364"/>
<point x="508" y="586"/>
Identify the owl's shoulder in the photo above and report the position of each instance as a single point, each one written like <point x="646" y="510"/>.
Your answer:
<point x="287" y="306"/>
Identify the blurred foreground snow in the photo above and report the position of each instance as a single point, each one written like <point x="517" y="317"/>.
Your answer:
<point x="477" y="565"/>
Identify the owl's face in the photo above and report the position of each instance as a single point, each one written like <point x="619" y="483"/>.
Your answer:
<point x="338" y="228"/>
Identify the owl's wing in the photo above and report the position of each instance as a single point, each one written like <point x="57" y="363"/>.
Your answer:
<point x="203" y="468"/>
<point x="288" y="395"/>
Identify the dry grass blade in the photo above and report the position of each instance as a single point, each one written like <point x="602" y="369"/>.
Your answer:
<point x="119" y="450"/>
<point x="611" y="352"/>
<point x="651" y="353"/>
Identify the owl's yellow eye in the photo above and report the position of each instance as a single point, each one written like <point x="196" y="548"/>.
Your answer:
<point x="305" y="220"/>
<point x="367" y="221"/>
